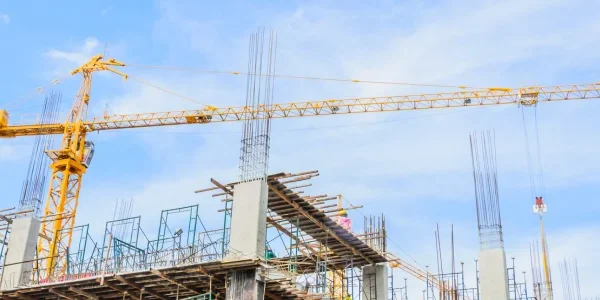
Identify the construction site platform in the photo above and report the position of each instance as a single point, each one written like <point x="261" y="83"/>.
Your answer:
<point x="178" y="282"/>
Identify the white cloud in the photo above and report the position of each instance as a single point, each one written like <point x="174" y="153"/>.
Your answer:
<point x="105" y="10"/>
<point x="63" y="60"/>
<point x="12" y="151"/>
<point x="78" y="54"/>
<point x="4" y="18"/>
<point x="6" y="152"/>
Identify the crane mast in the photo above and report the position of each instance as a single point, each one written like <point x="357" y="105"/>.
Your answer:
<point x="70" y="162"/>
<point x="540" y="209"/>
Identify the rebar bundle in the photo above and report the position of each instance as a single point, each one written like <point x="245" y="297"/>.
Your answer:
<point x="569" y="275"/>
<point x="123" y="211"/>
<point x="375" y="232"/>
<point x="34" y="185"/>
<point x="254" y="152"/>
<point x="487" y="201"/>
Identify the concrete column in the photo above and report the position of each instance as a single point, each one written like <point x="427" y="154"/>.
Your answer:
<point x="492" y="274"/>
<point x="375" y="282"/>
<point x="245" y="285"/>
<point x="21" y="247"/>
<point x="248" y="220"/>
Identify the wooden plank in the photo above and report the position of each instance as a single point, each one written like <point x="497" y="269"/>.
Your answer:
<point x="219" y="185"/>
<point x="141" y="288"/>
<point x="173" y="281"/>
<point x="23" y="296"/>
<point x="115" y="287"/>
<point x="319" y="223"/>
<point x="83" y="293"/>
<point x="272" y="296"/>
<point x="61" y="294"/>
<point x="295" y="238"/>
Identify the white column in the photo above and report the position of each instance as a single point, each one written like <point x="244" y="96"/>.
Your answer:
<point x="21" y="247"/>
<point x="248" y="220"/>
<point x="375" y="282"/>
<point x="493" y="276"/>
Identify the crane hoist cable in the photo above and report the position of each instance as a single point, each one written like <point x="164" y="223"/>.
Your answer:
<point x="142" y="81"/>
<point x="303" y="77"/>
<point x="530" y="171"/>
<point x="537" y="174"/>
<point x="539" y="156"/>
<point x="32" y="93"/>
<point x="535" y="169"/>
<point x="41" y="89"/>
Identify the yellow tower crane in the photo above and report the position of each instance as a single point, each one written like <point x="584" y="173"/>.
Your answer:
<point x="71" y="161"/>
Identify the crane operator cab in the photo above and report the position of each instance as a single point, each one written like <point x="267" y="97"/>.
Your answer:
<point x="88" y="153"/>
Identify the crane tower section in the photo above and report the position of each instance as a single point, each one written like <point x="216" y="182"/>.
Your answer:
<point x="69" y="163"/>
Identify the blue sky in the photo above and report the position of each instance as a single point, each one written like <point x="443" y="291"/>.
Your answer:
<point x="413" y="166"/>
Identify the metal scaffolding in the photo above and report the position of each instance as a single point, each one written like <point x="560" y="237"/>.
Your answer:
<point x="308" y="253"/>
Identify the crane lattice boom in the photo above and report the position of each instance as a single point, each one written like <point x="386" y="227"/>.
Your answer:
<point x="473" y="98"/>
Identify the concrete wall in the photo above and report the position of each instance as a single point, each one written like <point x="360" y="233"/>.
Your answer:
<point x="492" y="274"/>
<point x="21" y="247"/>
<point x="375" y="282"/>
<point x="248" y="220"/>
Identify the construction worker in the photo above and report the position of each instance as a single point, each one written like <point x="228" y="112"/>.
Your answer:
<point x="344" y="221"/>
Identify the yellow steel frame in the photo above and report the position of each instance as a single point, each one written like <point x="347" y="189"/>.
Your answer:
<point x="67" y="172"/>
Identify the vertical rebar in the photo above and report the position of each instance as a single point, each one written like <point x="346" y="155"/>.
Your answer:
<point x="260" y="87"/>
<point x="34" y="185"/>
<point x="485" y="180"/>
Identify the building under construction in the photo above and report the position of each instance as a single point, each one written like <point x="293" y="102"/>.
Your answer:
<point x="274" y="243"/>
